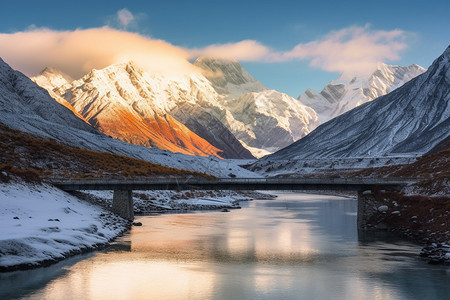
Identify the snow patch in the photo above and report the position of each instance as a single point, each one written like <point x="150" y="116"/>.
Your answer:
<point x="40" y="223"/>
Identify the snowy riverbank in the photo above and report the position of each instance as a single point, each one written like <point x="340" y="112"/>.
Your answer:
<point x="40" y="224"/>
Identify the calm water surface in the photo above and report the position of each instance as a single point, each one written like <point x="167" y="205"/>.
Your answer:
<point x="296" y="247"/>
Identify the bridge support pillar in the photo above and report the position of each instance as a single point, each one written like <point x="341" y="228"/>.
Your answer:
<point x="123" y="204"/>
<point x="367" y="207"/>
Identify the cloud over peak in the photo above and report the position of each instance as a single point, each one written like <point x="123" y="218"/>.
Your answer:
<point x="79" y="51"/>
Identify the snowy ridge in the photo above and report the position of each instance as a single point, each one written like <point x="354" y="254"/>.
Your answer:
<point x="410" y="120"/>
<point x="269" y="120"/>
<point x="22" y="99"/>
<point x="340" y="95"/>
<point x="49" y="78"/>
<point x="117" y="100"/>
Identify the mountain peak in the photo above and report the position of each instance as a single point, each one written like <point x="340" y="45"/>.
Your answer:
<point x="228" y="77"/>
<point x="54" y="72"/>
<point x="341" y="95"/>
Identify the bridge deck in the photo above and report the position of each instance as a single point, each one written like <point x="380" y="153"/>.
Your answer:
<point x="293" y="184"/>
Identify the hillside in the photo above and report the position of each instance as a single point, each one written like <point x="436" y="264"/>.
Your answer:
<point x="34" y="159"/>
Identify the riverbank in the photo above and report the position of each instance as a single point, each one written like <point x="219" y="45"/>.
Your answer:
<point x="41" y="225"/>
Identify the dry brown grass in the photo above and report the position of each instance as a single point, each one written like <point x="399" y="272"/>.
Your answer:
<point x="32" y="158"/>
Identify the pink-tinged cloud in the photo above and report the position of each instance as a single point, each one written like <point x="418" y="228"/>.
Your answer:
<point x="125" y="17"/>
<point x="351" y="51"/>
<point x="78" y="52"/>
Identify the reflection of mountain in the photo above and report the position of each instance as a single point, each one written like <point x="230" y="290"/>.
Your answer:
<point x="410" y="120"/>
<point x="340" y="96"/>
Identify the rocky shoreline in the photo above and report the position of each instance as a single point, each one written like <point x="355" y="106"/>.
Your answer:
<point x="422" y="219"/>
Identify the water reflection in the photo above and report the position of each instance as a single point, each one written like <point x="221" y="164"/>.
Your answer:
<point x="296" y="247"/>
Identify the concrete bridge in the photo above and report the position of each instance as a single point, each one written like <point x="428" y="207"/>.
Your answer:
<point x="123" y="200"/>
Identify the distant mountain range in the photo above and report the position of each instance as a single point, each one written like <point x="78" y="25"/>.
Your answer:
<point x="409" y="120"/>
<point x="341" y="95"/>
<point x="225" y="112"/>
<point x="216" y="114"/>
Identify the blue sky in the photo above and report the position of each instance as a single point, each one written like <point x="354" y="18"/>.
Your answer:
<point x="423" y="30"/>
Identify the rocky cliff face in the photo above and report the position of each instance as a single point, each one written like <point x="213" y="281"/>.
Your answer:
<point x="210" y="128"/>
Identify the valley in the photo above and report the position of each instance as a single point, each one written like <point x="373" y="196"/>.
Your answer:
<point x="124" y="123"/>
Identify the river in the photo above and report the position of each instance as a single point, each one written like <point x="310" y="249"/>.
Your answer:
<point x="298" y="246"/>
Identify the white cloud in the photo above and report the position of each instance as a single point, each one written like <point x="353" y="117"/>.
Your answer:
<point x="247" y="50"/>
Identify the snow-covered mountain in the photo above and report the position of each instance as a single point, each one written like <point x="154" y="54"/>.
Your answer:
<point x="341" y="95"/>
<point x="127" y="103"/>
<point x="269" y="120"/>
<point x="27" y="107"/>
<point x="409" y="120"/>
<point x="51" y="77"/>
<point x="119" y="102"/>
<point x="263" y="120"/>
